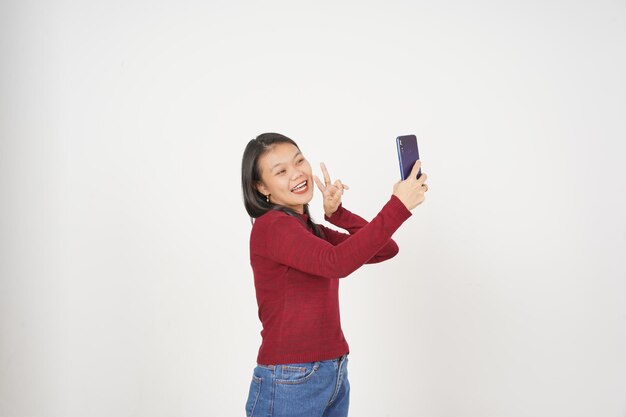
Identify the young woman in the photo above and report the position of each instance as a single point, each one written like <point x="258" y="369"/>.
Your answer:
<point x="302" y="362"/>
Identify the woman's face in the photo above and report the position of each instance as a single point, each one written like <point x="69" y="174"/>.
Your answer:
<point x="286" y="176"/>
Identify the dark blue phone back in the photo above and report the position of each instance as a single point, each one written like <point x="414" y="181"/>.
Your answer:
<point x="407" y="155"/>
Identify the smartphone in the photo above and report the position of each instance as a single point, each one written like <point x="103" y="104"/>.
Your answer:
<point x="407" y="155"/>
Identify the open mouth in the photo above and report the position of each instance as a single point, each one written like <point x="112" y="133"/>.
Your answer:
<point x="301" y="188"/>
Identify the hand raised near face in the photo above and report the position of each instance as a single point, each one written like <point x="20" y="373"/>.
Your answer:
<point x="331" y="192"/>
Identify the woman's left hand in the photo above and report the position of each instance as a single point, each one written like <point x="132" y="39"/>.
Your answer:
<point x="331" y="192"/>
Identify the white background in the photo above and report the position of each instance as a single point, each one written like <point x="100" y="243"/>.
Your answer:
<point x="126" y="288"/>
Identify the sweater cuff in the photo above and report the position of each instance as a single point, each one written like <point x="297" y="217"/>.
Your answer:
<point x="335" y="215"/>
<point x="399" y="210"/>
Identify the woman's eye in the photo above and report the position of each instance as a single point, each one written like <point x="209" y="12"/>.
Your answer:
<point x="300" y="161"/>
<point x="280" y="172"/>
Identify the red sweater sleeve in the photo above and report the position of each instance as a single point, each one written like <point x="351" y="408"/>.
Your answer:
<point x="290" y="243"/>
<point x="353" y="223"/>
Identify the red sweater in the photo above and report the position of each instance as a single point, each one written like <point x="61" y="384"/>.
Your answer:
<point x="296" y="276"/>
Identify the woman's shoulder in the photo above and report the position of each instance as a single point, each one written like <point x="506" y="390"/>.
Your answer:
<point x="269" y="216"/>
<point x="274" y="226"/>
<point x="272" y="218"/>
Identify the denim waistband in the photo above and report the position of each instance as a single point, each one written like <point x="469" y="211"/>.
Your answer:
<point x="272" y="367"/>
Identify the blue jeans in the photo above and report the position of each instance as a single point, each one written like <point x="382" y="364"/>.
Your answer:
<point x="310" y="389"/>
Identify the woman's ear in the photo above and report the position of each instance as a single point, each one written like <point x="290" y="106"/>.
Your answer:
<point x="262" y="188"/>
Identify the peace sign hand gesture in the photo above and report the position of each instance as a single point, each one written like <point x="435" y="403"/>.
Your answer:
<point x="331" y="192"/>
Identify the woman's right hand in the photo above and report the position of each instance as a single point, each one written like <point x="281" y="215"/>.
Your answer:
<point x="411" y="191"/>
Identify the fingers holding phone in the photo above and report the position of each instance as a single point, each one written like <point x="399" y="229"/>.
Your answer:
<point x="411" y="190"/>
<point x="421" y="178"/>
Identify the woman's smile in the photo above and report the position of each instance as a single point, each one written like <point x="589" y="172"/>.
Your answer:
<point x="301" y="188"/>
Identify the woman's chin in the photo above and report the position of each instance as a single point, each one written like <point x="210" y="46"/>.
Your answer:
<point x="306" y="200"/>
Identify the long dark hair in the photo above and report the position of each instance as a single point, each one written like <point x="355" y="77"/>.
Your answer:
<point x="255" y="202"/>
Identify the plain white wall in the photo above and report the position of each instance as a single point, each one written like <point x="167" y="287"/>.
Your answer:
<point x="126" y="288"/>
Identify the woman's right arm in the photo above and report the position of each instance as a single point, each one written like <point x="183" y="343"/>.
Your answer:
<point x="286" y="241"/>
